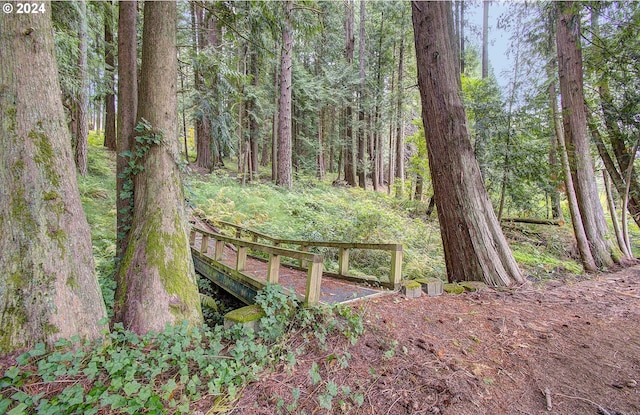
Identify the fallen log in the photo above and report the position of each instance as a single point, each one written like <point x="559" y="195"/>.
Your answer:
<point x="554" y="222"/>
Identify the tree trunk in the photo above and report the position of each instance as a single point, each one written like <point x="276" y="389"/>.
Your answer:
<point x="399" y="170"/>
<point x="462" y="63"/>
<point x="575" y="129"/>
<point x="204" y="144"/>
<point x="349" y="142"/>
<point x="284" y="114"/>
<point x="361" y="166"/>
<point x="588" y="262"/>
<point x="322" y="169"/>
<point x="615" y="175"/>
<point x="83" y="94"/>
<point x="48" y="286"/>
<point x="252" y="114"/>
<point x="156" y="281"/>
<point x="485" y="39"/>
<point x="110" y="70"/>
<point x="127" y="112"/>
<point x="614" y="216"/>
<point x="474" y="245"/>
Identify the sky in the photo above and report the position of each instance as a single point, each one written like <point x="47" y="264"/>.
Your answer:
<point x="498" y="38"/>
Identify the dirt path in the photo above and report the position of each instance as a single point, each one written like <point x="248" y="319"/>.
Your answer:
<point x="568" y="347"/>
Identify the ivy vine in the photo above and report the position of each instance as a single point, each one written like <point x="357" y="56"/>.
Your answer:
<point x="143" y="141"/>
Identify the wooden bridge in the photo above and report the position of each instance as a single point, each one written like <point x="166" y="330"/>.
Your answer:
<point x="243" y="264"/>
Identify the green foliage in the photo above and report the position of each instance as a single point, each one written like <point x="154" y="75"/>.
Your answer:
<point x="162" y="373"/>
<point x="317" y="211"/>
<point x="98" y="195"/>
<point x="144" y="140"/>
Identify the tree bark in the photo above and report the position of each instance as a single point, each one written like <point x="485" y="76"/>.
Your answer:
<point x="83" y="94"/>
<point x="204" y="149"/>
<point x="48" y="286"/>
<point x="474" y="245"/>
<point x="284" y="114"/>
<point x="349" y="142"/>
<point x="485" y="39"/>
<point x="614" y="216"/>
<point x="399" y="166"/>
<point x="588" y="262"/>
<point x="127" y="111"/>
<point x="110" y="71"/>
<point x="361" y="165"/>
<point x="575" y="129"/>
<point x="156" y="281"/>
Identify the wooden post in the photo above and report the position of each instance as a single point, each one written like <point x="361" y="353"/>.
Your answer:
<point x="219" y="250"/>
<point x="304" y="263"/>
<point x="314" y="279"/>
<point x="343" y="261"/>
<point x="241" y="262"/>
<point x="192" y="237"/>
<point x="396" y="267"/>
<point x="273" y="274"/>
<point x="204" y="245"/>
<point x="239" y="233"/>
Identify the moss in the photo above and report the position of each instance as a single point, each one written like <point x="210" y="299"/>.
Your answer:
<point x="245" y="314"/>
<point x="174" y="269"/>
<point x="453" y="288"/>
<point x="411" y="284"/>
<point x="473" y="285"/>
<point x="20" y="211"/>
<point x="51" y="195"/>
<point x="45" y="156"/>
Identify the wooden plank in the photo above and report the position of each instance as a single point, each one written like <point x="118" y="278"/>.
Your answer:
<point x="314" y="280"/>
<point x="219" y="253"/>
<point x="396" y="267"/>
<point x="343" y="261"/>
<point x="241" y="260"/>
<point x="303" y="262"/>
<point x="273" y="273"/>
<point x="204" y="245"/>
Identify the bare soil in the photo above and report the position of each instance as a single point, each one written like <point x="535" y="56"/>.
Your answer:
<point x="559" y="347"/>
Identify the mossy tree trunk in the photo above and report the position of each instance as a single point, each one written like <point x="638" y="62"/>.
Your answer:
<point x="156" y="280"/>
<point x="48" y="287"/>
<point x="475" y="248"/>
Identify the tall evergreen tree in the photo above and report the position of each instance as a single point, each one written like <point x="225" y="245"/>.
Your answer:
<point x="156" y="280"/>
<point x="576" y="135"/>
<point x="474" y="245"/>
<point x="48" y="287"/>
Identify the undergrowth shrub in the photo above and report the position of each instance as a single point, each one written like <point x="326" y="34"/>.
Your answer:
<point x="167" y="372"/>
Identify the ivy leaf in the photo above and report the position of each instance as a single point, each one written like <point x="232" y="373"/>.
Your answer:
<point x="131" y="387"/>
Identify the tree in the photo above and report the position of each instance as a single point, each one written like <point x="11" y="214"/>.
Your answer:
<point x="349" y="156"/>
<point x="127" y="112"/>
<point x="474" y="245"/>
<point x="110" y="71"/>
<point x="48" y="287"/>
<point x="156" y="282"/>
<point x="81" y="107"/>
<point x="284" y="113"/>
<point x="575" y="132"/>
<point x="361" y="172"/>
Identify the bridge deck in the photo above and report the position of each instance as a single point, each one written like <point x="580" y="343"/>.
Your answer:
<point x="332" y="290"/>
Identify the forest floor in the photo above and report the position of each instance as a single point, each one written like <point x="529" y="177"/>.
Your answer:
<point x="563" y="346"/>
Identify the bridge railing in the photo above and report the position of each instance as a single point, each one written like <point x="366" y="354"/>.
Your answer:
<point x="313" y="261"/>
<point x="344" y="248"/>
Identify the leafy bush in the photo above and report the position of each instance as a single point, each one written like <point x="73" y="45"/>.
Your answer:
<point x="164" y="373"/>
